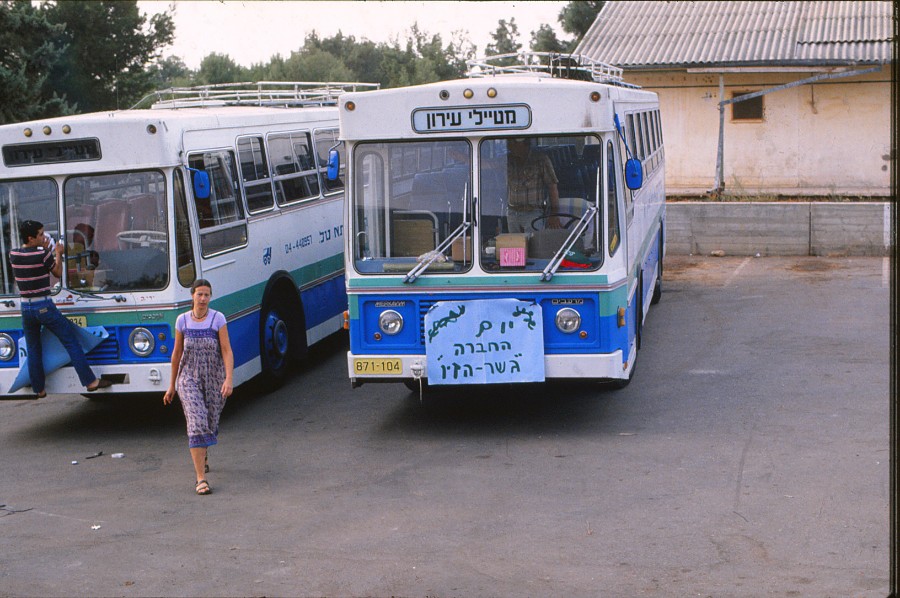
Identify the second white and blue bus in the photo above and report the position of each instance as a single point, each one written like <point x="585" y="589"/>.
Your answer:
<point x="441" y="289"/>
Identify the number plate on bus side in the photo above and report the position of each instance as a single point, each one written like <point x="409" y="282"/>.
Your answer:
<point x="377" y="366"/>
<point x="80" y="321"/>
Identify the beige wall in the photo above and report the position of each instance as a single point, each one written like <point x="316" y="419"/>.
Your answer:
<point x="831" y="137"/>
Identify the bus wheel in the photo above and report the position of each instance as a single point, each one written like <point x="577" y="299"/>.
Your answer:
<point x="657" y="290"/>
<point x="274" y="343"/>
<point x="618" y="384"/>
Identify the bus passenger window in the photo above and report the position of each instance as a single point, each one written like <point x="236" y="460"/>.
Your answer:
<point x="255" y="174"/>
<point x="222" y="213"/>
<point x="293" y="167"/>
<point x="325" y="140"/>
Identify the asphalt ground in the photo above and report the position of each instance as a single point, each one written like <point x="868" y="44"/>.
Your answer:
<point x="749" y="457"/>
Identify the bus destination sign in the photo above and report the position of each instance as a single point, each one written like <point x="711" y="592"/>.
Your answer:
<point x="51" y="152"/>
<point x="471" y="118"/>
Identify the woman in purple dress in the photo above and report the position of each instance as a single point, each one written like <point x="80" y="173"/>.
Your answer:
<point x="202" y="368"/>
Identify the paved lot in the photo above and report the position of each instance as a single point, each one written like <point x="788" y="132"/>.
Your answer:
<point x="749" y="457"/>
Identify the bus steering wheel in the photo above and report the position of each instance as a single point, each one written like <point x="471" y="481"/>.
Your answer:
<point x="572" y="218"/>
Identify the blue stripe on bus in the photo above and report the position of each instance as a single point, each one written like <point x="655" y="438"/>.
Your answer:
<point x="603" y="332"/>
<point x="320" y="304"/>
<point x="244" y="336"/>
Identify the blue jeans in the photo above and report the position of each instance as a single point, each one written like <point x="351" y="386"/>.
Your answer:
<point x="37" y="313"/>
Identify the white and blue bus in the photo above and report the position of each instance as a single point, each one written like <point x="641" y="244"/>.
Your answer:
<point x="219" y="182"/>
<point x="446" y="283"/>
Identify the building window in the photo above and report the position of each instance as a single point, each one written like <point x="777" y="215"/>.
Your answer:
<point x="751" y="109"/>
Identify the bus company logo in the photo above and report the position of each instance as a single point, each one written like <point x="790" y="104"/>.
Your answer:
<point x="390" y="304"/>
<point x="151" y="317"/>
<point x="267" y="256"/>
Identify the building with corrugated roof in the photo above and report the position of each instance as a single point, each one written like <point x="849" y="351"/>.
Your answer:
<point x="813" y="80"/>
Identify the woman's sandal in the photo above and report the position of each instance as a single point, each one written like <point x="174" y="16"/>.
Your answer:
<point x="203" y="488"/>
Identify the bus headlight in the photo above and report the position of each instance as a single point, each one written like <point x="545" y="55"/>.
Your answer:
<point x="7" y="347"/>
<point x="390" y="322"/>
<point x="141" y="342"/>
<point x="568" y="320"/>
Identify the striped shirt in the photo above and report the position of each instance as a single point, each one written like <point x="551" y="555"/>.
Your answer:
<point x="31" y="269"/>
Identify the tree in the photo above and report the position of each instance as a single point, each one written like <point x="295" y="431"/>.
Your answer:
<point x="545" y="40"/>
<point x="26" y="56"/>
<point x="219" y="68"/>
<point x="110" y="47"/>
<point x="577" y="17"/>
<point x="506" y="40"/>
<point x="171" y="72"/>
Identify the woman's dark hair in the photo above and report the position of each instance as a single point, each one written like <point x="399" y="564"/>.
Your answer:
<point x="200" y="282"/>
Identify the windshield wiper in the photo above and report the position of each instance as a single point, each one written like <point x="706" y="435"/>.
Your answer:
<point x="433" y="255"/>
<point x="420" y="267"/>
<point x="85" y="294"/>
<point x="552" y="267"/>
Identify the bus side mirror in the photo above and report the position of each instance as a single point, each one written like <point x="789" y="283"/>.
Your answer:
<point x="201" y="183"/>
<point x="634" y="174"/>
<point x="334" y="165"/>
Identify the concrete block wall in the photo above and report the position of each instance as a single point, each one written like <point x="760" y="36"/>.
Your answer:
<point x="788" y="228"/>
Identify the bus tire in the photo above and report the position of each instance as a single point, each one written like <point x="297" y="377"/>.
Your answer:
<point x="280" y="339"/>
<point x="657" y="290"/>
<point x="620" y="383"/>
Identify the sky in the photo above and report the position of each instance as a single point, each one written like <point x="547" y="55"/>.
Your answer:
<point x="252" y="31"/>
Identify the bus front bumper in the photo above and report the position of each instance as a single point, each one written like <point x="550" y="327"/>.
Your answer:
<point x="398" y="368"/>
<point x="125" y="378"/>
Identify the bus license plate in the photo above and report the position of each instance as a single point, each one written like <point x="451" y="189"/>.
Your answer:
<point x="375" y="367"/>
<point x="80" y="321"/>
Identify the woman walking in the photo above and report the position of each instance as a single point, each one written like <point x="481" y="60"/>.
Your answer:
<point x="202" y="368"/>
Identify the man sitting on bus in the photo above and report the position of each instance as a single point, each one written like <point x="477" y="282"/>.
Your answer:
<point x="32" y="265"/>
<point x="530" y="180"/>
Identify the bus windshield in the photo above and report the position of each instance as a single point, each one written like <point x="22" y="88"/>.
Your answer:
<point x="116" y="237"/>
<point x="20" y="201"/>
<point x="410" y="198"/>
<point x="114" y="229"/>
<point x="534" y="192"/>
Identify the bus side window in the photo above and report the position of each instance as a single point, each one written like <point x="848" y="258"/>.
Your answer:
<point x="612" y="204"/>
<point x="293" y="168"/>
<point x="255" y="174"/>
<point x="325" y="140"/>
<point x="184" y="248"/>
<point x="223" y="211"/>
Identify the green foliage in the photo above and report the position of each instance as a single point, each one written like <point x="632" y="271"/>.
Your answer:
<point x="545" y="40"/>
<point x="26" y="56"/>
<point x="64" y="56"/>
<point x="577" y="17"/>
<point x="171" y="72"/>
<point x="506" y="41"/>
<point x="219" y="68"/>
<point x="110" y="46"/>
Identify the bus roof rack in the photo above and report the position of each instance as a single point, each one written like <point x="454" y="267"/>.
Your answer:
<point x="262" y="93"/>
<point x="564" y="66"/>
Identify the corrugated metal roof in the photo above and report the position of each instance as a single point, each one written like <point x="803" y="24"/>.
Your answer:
<point x="748" y="33"/>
